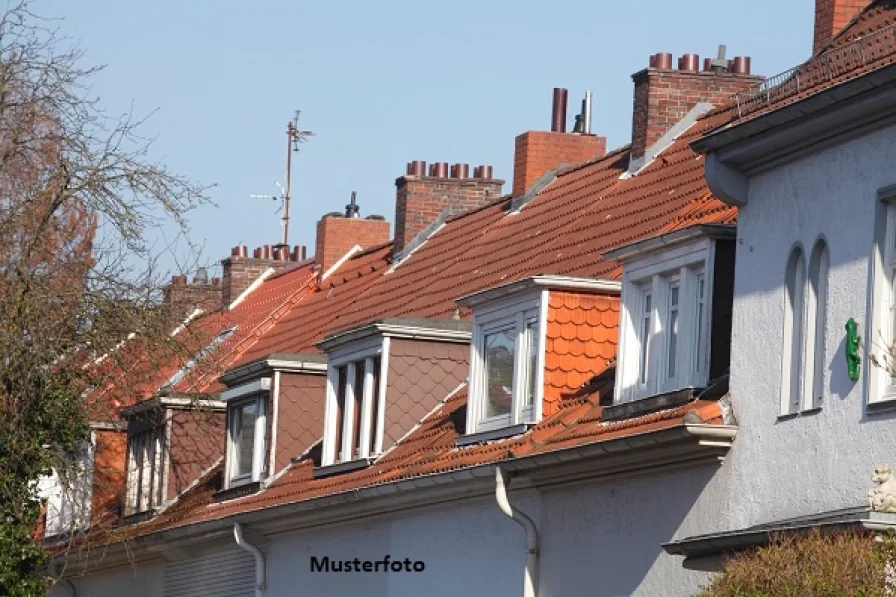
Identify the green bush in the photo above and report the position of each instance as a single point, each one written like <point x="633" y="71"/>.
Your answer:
<point x="838" y="564"/>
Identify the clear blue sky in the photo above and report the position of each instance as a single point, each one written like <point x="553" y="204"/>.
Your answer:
<point x="383" y="83"/>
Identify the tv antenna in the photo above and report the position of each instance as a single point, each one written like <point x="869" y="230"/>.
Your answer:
<point x="294" y="136"/>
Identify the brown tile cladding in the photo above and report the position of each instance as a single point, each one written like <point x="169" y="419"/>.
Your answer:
<point x="582" y="333"/>
<point x="196" y="442"/>
<point x="336" y="235"/>
<point x="421" y="374"/>
<point x="300" y="418"/>
<point x="538" y="152"/>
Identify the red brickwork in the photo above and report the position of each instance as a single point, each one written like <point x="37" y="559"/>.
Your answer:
<point x="663" y="97"/>
<point x="336" y="235"/>
<point x="240" y="272"/>
<point x="537" y="152"/>
<point x="831" y="16"/>
<point x="421" y="199"/>
<point x="186" y="297"/>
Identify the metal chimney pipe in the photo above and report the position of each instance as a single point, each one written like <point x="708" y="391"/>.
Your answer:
<point x="256" y="253"/>
<point x="558" y="114"/>
<point x="689" y="63"/>
<point x="441" y="170"/>
<point x="664" y="61"/>
<point x="417" y="168"/>
<point x="587" y="112"/>
<point x="240" y="251"/>
<point x="741" y="65"/>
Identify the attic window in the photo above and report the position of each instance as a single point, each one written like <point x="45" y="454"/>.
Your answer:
<point x="146" y="451"/>
<point x="247" y="427"/>
<point x="507" y="360"/>
<point x="353" y="427"/>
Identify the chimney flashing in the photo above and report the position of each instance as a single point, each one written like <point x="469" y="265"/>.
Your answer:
<point x="635" y="165"/>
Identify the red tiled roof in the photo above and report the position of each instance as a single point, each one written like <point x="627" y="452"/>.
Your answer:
<point x="866" y="44"/>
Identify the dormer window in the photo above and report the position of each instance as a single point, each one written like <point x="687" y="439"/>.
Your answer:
<point x="147" y="444"/>
<point x="511" y="331"/>
<point x="676" y="309"/>
<point x="246" y="432"/>
<point x="353" y="426"/>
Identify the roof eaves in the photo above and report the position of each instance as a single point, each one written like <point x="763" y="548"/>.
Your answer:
<point x="296" y="363"/>
<point x="416" y="328"/>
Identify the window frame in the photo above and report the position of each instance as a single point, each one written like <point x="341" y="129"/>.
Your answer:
<point x="147" y="464"/>
<point x="260" y="392"/>
<point x="684" y="267"/>
<point x="372" y="398"/>
<point x="516" y="313"/>
<point x="882" y="387"/>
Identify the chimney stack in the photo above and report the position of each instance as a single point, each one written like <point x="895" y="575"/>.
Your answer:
<point x="420" y="200"/>
<point x="338" y="233"/>
<point x="537" y="152"/>
<point x="831" y="16"/>
<point x="664" y="96"/>
<point x="202" y="294"/>
<point x="240" y="270"/>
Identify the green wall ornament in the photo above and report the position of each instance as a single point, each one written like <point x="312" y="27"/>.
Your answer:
<point x="853" y="360"/>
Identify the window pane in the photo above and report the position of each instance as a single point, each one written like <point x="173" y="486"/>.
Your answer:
<point x="532" y="339"/>
<point x="699" y="320"/>
<point x="499" y="357"/>
<point x="645" y="336"/>
<point x="673" y="330"/>
<point x="341" y="383"/>
<point x="358" y="390"/>
<point x="373" y="405"/>
<point x="245" y="438"/>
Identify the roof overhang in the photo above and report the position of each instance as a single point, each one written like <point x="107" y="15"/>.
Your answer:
<point x="544" y="282"/>
<point x="315" y="364"/>
<point x="172" y="401"/>
<point x="684" y="236"/>
<point x="705" y="552"/>
<point x="842" y="112"/>
<point x="412" y="328"/>
<point x="672" y="448"/>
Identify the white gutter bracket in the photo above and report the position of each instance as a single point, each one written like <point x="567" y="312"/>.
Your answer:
<point x="260" y="568"/>
<point x="530" y="581"/>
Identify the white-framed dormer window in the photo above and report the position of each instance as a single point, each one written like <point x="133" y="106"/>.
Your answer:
<point x="247" y="428"/>
<point x="69" y="492"/>
<point x="354" y="414"/>
<point x="146" y="460"/>
<point x="506" y="373"/>
<point x="666" y="314"/>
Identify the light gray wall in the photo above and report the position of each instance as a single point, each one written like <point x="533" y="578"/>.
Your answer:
<point x="822" y="461"/>
<point x="145" y="580"/>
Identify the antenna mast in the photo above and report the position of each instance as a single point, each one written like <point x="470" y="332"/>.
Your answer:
<point x="294" y="136"/>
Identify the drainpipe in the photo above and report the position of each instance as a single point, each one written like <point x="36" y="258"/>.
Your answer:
<point x="530" y="581"/>
<point x="260" y="588"/>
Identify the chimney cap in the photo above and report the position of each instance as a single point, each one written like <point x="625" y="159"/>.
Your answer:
<point x="201" y="276"/>
<point x="352" y="210"/>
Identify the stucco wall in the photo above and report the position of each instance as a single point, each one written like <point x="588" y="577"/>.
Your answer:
<point x="145" y="580"/>
<point x="821" y="461"/>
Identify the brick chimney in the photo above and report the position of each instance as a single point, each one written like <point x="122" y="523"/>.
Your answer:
<point x="337" y="233"/>
<point x="202" y="294"/>
<point x="537" y="152"/>
<point x="422" y="196"/>
<point x="240" y="270"/>
<point x="663" y="96"/>
<point x="831" y="16"/>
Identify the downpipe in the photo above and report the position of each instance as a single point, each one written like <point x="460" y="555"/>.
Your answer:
<point x="530" y="581"/>
<point x="260" y="587"/>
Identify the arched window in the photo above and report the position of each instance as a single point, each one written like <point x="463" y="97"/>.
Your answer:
<point x="816" y="309"/>
<point x="794" y="303"/>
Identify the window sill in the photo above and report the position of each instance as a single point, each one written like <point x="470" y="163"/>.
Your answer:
<point x="341" y="467"/>
<point x="484" y="436"/>
<point x="237" y="491"/>
<point x="798" y="414"/>
<point x="886" y="404"/>
<point x="644" y="406"/>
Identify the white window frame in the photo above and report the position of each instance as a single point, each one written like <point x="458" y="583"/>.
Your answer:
<point x="655" y="275"/>
<point x="516" y="313"/>
<point x="69" y="500"/>
<point x="146" y="485"/>
<point x="362" y="353"/>
<point x="882" y="387"/>
<point x="259" y="446"/>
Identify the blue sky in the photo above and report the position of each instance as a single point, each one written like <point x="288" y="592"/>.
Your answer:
<point x="383" y="83"/>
